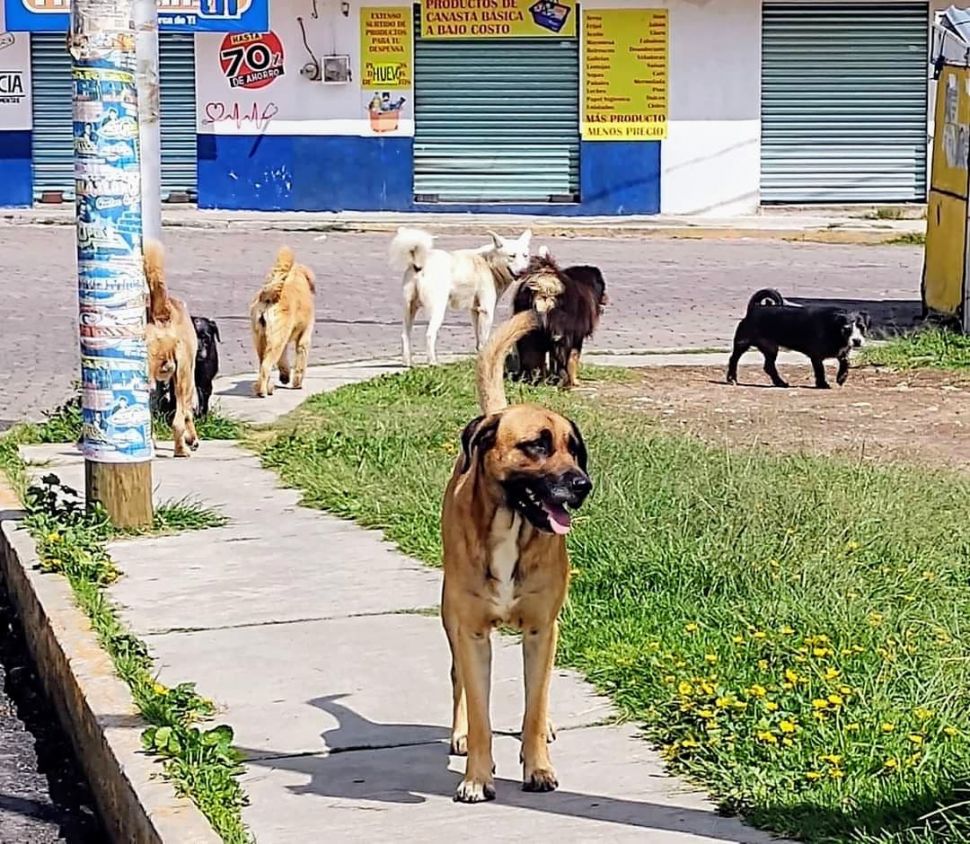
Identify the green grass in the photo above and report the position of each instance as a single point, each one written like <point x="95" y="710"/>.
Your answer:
<point x="907" y="239"/>
<point x="791" y="631"/>
<point x="72" y="541"/>
<point x="929" y="348"/>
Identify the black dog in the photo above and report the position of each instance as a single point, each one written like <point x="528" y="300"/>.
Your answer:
<point x="820" y="332"/>
<point x="573" y="320"/>
<point x="206" y="369"/>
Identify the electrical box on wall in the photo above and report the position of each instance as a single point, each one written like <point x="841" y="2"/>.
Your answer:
<point x="336" y="69"/>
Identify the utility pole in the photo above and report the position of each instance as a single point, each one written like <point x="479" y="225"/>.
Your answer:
<point x="116" y="437"/>
<point x="149" y="127"/>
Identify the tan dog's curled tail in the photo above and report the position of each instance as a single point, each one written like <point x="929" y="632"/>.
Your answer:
<point x="153" y="255"/>
<point x="270" y="294"/>
<point x="490" y="370"/>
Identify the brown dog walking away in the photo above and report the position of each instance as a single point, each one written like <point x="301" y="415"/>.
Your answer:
<point x="282" y="313"/>
<point x="503" y="526"/>
<point x="172" y="345"/>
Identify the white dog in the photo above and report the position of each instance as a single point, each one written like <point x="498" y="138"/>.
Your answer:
<point x="466" y="279"/>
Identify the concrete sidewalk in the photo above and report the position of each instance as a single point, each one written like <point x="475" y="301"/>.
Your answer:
<point x="835" y="225"/>
<point x="317" y="642"/>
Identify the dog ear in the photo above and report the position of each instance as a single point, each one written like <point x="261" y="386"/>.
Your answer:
<point x="866" y="320"/>
<point x="479" y="433"/>
<point x="526" y="238"/>
<point x="497" y="241"/>
<point x="582" y="457"/>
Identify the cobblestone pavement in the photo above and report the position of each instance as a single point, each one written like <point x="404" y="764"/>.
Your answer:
<point x="665" y="293"/>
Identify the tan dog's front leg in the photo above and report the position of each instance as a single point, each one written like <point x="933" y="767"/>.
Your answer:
<point x="539" y="653"/>
<point x="475" y="671"/>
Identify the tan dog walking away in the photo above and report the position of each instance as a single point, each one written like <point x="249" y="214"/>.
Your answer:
<point x="504" y="522"/>
<point x="172" y="345"/>
<point x="282" y="313"/>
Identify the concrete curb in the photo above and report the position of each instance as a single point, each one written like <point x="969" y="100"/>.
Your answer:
<point x="841" y="231"/>
<point x="93" y="704"/>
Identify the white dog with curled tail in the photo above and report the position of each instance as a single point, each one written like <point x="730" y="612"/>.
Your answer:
<point x="465" y="279"/>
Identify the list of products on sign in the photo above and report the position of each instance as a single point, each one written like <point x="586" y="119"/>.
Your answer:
<point x="385" y="49"/>
<point x="625" y="74"/>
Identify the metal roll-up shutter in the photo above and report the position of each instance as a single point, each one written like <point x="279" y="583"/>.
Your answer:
<point x="843" y="102"/>
<point x="53" y="114"/>
<point x="53" y="132"/>
<point x="496" y="120"/>
<point x="176" y="61"/>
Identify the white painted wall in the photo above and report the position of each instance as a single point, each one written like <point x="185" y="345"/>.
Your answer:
<point x="711" y="159"/>
<point x="292" y="104"/>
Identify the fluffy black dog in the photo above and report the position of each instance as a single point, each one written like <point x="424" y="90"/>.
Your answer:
<point x="574" y="319"/>
<point x="206" y="369"/>
<point x="819" y="332"/>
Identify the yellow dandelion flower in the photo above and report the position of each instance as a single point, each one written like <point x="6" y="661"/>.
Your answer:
<point x="852" y="728"/>
<point x="767" y="736"/>
<point x="738" y="640"/>
<point x="788" y="726"/>
<point x="786" y="630"/>
<point x="771" y="706"/>
<point x="821" y="652"/>
<point x="951" y="731"/>
<point x="724" y="702"/>
<point x="53" y="537"/>
<point x="691" y="628"/>
<point x="820" y="703"/>
<point x="888" y="728"/>
<point x="759" y="634"/>
<point x="891" y="763"/>
<point x="813" y="776"/>
<point x="845" y="690"/>
<point x="159" y="689"/>
<point x="922" y="713"/>
<point x="831" y="673"/>
<point x="669" y="678"/>
<point x="685" y="688"/>
<point x="836" y="773"/>
<point x="705" y="713"/>
<point x="689" y="743"/>
<point x="876" y="618"/>
<point x="915" y="738"/>
<point x="757" y="691"/>
<point x="791" y="676"/>
<point x="832" y="759"/>
<point x="711" y="658"/>
<point x="705" y="687"/>
<point x="836" y="700"/>
<point x="762" y="665"/>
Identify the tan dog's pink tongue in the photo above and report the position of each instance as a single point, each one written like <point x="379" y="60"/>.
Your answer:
<point x="559" y="520"/>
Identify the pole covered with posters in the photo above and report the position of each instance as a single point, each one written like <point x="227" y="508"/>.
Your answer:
<point x="116" y="438"/>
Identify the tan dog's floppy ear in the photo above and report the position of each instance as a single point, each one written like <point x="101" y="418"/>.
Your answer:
<point x="579" y="446"/>
<point x="478" y="433"/>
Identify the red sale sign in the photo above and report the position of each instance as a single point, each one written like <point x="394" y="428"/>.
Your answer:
<point x="250" y="59"/>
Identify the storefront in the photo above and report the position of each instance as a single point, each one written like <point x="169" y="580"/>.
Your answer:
<point x="52" y="145"/>
<point x="612" y="107"/>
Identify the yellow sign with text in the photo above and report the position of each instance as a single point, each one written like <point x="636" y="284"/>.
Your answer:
<point x="625" y="57"/>
<point x="385" y="47"/>
<point x="474" y="19"/>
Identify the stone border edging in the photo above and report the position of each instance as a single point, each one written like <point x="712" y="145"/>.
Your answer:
<point x="93" y="704"/>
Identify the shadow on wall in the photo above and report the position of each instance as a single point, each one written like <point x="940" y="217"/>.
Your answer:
<point x="890" y="317"/>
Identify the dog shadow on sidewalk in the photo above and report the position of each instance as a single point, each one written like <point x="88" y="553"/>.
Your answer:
<point x="408" y="763"/>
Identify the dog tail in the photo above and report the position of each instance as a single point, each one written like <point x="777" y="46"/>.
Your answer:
<point x="409" y="249"/>
<point x="490" y="369"/>
<point x="153" y="257"/>
<point x="273" y="289"/>
<point x="765" y="296"/>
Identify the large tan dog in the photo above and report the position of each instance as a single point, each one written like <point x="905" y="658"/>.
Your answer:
<point x="282" y="313"/>
<point x="503" y="528"/>
<point x="172" y="345"/>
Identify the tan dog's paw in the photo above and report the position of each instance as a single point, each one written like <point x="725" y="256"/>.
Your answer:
<point x="541" y="779"/>
<point x="459" y="745"/>
<point x="471" y="791"/>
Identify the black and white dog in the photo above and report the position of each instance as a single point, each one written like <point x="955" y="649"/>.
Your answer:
<point x="206" y="369"/>
<point x="819" y="332"/>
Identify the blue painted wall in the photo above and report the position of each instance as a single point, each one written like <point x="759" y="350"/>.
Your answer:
<point x="16" y="169"/>
<point x="344" y="173"/>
